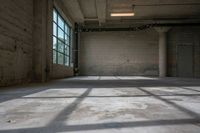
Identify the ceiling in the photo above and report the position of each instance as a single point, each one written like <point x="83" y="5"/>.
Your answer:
<point x="98" y="11"/>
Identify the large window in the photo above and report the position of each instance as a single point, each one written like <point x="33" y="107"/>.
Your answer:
<point x="61" y="40"/>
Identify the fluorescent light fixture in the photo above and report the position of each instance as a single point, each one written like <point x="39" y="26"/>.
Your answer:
<point x="122" y="14"/>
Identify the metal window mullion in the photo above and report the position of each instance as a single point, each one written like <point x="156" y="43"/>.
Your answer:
<point x="64" y="45"/>
<point x="58" y="25"/>
<point x="61" y="28"/>
<point x="57" y="39"/>
<point x="59" y="52"/>
<point x="69" y="46"/>
<point x="60" y="40"/>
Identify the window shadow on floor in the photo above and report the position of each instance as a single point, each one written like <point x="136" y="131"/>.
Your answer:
<point x="103" y="126"/>
<point x="58" y="125"/>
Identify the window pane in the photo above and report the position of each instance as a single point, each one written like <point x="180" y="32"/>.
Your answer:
<point x="66" y="29"/>
<point x="67" y="50"/>
<point x="67" y="60"/>
<point x="54" y="42"/>
<point x="60" y="22"/>
<point x="54" y="16"/>
<point x="54" y="57"/>
<point x="60" y="34"/>
<point x="60" y="46"/>
<point x="69" y="40"/>
<point x="66" y="39"/>
<point x="61" y="40"/>
<point x="60" y="59"/>
<point x="54" y="29"/>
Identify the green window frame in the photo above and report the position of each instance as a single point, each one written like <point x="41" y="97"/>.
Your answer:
<point x="61" y="40"/>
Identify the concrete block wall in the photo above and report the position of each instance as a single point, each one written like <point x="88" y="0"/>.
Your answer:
<point x="16" y="41"/>
<point x="183" y="36"/>
<point x="119" y="53"/>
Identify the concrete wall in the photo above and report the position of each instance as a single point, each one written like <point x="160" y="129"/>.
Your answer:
<point x="60" y="71"/>
<point x="16" y="41"/>
<point x="183" y="36"/>
<point x="26" y="42"/>
<point x="119" y="53"/>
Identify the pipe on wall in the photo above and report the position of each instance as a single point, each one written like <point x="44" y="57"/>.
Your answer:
<point x="143" y="27"/>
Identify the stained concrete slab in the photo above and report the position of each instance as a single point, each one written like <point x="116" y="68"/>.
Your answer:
<point x="103" y="105"/>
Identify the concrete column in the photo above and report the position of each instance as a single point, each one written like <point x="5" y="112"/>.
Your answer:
<point x="162" y="50"/>
<point x="42" y="42"/>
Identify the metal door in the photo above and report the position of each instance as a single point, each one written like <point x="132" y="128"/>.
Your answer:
<point x="185" y="61"/>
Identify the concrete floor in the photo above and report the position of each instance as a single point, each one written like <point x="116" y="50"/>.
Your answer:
<point x="103" y="105"/>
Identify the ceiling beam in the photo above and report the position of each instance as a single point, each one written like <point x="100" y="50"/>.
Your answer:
<point x="74" y="9"/>
<point x="91" y="19"/>
<point x="138" y="28"/>
<point x="155" y="20"/>
<point x="173" y="4"/>
<point x="101" y="10"/>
